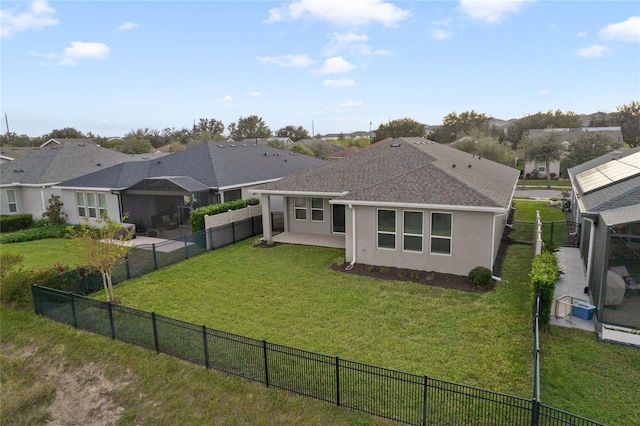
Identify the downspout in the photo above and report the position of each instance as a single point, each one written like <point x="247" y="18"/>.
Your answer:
<point x="44" y="206"/>
<point x="590" y="252"/>
<point x="353" y="234"/>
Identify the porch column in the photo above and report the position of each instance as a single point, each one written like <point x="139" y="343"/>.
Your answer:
<point x="265" y="201"/>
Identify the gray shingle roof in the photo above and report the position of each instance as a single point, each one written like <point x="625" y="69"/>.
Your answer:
<point x="56" y="163"/>
<point x="211" y="164"/>
<point x="409" y="170"/>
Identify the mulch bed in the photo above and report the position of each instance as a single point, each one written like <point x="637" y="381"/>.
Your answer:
<point x="436" y="279"/>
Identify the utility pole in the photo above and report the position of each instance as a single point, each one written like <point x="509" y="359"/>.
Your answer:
<point x="312" y="129"/>
<point x="7" y="121"/>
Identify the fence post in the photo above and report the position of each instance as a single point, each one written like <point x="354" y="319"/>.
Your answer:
<point x="126" y="264"/>
<point x="424" y="401"/>
<point x="535" y="412"/>
<point x="210" y="230"/>
<point x="266" y="366"/>
<point x="253" y="226"/>
<point x="338" y="381"/>
<point x="73" y="310"/>
<point x="36" y="294"/>
<point x="233" y="232"/>
<point x="186" y="250"/>
<point x="155" y="332"/>
<point x="552" y="226"/>
<point x="113" y="328"/>
<point x="155" y="256"/>
<point x="206" y="346"/>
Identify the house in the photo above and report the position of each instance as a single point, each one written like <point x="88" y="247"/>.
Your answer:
<point x="161" y="192"/>
<point x="27" y="183"/>
<point x="411" y="203"/>
<point x="569" y="136"/>
<point x="266" y="141"/>
<point x="606" y="205"/>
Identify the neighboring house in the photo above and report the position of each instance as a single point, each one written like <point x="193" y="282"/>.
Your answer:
<point x="569" y="135"/>
<point x="411" y="203"/>
<point x="26" y="184"/>
<point x="161" y="192"/>
<point x="606" y="205"/>
<point x="265" y="141"/>
<point x="345" y="152"/>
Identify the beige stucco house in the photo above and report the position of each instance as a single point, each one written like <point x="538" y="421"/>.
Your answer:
<point x="411" y="203"/>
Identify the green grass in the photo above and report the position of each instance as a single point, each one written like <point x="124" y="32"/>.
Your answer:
<point x="45" y="253"/>
<point x="543" y="183"/>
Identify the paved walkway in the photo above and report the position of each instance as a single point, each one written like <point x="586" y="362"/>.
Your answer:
<point x="572" y="283"/>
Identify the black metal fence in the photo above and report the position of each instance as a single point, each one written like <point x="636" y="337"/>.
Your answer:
<point x="402" y="397"/>
<point x="146" y="258"/>
<point x="562" y="233"/>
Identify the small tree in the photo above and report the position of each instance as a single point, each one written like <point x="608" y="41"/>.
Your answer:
<point x="53" y="215"/>
<point x="102" y="247"/>
<point x="545" y="147"/>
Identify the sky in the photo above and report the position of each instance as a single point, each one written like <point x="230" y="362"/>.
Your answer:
<point x="330" y="66"/>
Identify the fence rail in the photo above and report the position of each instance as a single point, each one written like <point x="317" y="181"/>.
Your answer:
<point x="395" y="395"/>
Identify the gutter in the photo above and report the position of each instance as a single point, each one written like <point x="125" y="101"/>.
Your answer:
<point x="353" y="233"/>
<point x="422" y="206"/>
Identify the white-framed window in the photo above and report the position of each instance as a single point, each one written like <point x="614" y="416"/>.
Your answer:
<point x="412" y="231"/>
<point x="12" y="202"/>
<point x="102" y="204"/>
<point x="441" y="226"/>
<point x="300" y="208"/>
<point x="91" y="205"/>
<point x="386" y="229"/>
<point x="82" y="207"/>
<point x="317" y="210"/>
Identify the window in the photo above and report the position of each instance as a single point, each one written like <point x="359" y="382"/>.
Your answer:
<point x="82" y="212"/>
<point x="317" y="210"/>
<point x="300" y="207"/>
<point x="387" y="229"/>
<point x="339" y="224"/>
<point x="91" y="204"/>
<point x="441" y="233"/>
<point x="412" y="235"/>
<point x="11" y="201"/>
<point x="102" y="205"/>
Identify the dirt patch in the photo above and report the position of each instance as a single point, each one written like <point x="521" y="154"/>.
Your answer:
<point x="436" y="279"/>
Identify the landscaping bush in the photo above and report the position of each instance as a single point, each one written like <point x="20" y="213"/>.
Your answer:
<point x="15" y="222"/>
<point x="481" y="277"/>
<point x="33" y="234"/>
<point x="544" y="274"/>
<point x="197" y="215"/>
<point x="16" y="283"/>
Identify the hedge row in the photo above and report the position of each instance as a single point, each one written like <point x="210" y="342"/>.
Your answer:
<point x="15" y="222"/>
<point x="33" y="234"/>
<point x="197" y="215"/>
<point x="544" y="274"/>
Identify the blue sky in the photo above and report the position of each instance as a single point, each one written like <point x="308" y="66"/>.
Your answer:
<point x="337" y="65"/>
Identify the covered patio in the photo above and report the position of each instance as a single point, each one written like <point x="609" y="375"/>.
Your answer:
<point x="320" y="240"/>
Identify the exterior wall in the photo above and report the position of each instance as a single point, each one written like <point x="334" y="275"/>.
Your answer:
<point x="500" y="222"/>
<point x="68" y="198"/>
<point x="277" y="201"/>
<point x="554" y="167"/>
<point x="4" y="201"/>
<point x="308" y="226"/>
<point x="29" y="200"/>
<point x="470" y="245"/>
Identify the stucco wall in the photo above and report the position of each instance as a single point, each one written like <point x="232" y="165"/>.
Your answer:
<point x="70" y="208"/>
<point x="470" y="245"/>
<point x="29" y="200"/>
<point x="308" y="226"/>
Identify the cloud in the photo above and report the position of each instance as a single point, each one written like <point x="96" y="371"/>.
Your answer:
<point x="223" y="100"/>
<point x="351" y="103"/>
<point x="593" y="51"/>
<point x="582" y="34"/>
<point x="50" y="55"/>
<point x="628" y="30"/>
<point x="443" y="22"/>
<point x="490" y="11"/>
<point x="287" y="61"/>
<point x="336" y="65"/>
<point x="255" y="94"/>
<point x="340" y="12"/>
<point x="127" y="26"/>
<point x="38" y="16"/>
<point x="84" y="50"/>
<point x="353" y="43"/>
<point x="340" y="82"/>
<point x="440" y="34"/>
<point x="544" y="92"/>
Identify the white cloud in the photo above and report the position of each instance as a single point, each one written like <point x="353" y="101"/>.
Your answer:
<point x="443" y="22"/>
<point x="440" y="34"/>
<point x="340" y="12"/>
<point x="287" y="61"/>
<point x="593" y="51"/>
<point x="544" y="92"/>
<point x="128" y="26"/>
<point x="351" y="103"/>
<point x="223" y="100"/>
<point x="340" y="82"/>
<point x="84" y="50"/>
<point x="628" y="30"/>
<point x="490" y="11"/>
<point x="255" y="94"/>
<point x="353" y="43"/>
<point x="336" y="65"/>
<point x="582" y="34"/>
<point x="50" y="55"/>
<point x="38" y="16"/>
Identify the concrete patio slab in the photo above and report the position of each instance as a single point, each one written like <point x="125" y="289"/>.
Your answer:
<point x="334" y="241"/>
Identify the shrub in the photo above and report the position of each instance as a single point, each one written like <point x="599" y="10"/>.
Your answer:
<point x="15" y="222"/>
<point x="16" y="285"/>
<point x="481" y="277"/>
<point x="54" y="215"/>
<point x="197" y="215"/>
<point x="33" y="234"/>
<point x="544" y="274"/>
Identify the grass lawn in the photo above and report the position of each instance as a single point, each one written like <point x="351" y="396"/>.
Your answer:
<point x="543" y="183"/>
<point x="525" y="215"/>
<point x="45" y="253"/>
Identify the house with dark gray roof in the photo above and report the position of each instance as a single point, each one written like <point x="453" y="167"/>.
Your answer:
<point x="27" y="183"/>
<point x="411" y="203"/>
<point x="606" y="206"/>
<point x="161" y="192"/>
